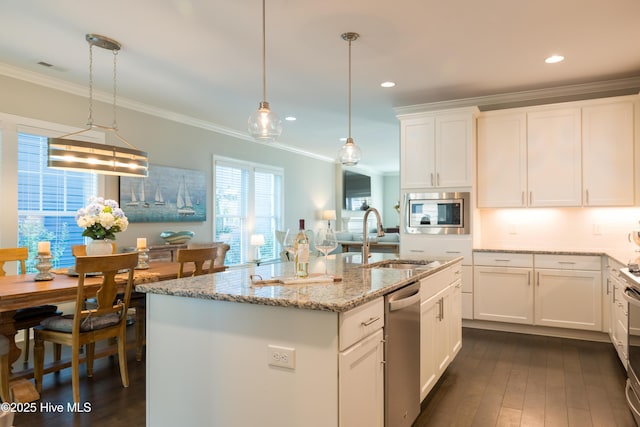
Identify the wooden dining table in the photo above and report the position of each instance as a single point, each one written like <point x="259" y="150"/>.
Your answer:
<point x="23" y="291"/>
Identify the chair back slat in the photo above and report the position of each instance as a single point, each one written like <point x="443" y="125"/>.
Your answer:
<point x="197" y="256"/>
<point x="13" y="254"/>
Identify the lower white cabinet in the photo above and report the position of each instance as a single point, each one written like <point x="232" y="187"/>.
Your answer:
<point x="568" y="299"/>
<point x="440" y="324"/>
<point x="361" y="384"/>
<point x="618" y="310"/>
<point x="503" y="287"/>
<point x="361" y="366"/>
<point x="541" y="289"/>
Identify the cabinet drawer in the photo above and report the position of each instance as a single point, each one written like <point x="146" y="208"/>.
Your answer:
<point x="569" y="262"/>
<point x="431" y="285"/>
<point x="361" y="321"/>
<point x="503" y="259"/>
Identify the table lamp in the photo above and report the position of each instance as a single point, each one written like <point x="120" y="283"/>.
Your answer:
<point x="257" y="240"/>
<point x="329" y="215"/>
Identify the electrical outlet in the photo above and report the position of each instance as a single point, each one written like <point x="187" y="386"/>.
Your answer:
<point x="596" y="229"/>
<point x="284" y="357"/>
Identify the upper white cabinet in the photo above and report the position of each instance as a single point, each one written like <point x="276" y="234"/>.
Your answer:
<point x="437" y="149"/>
<point x="572" y="154"/>
<point x="502" y="160"/>
<point x="607" y="154"/>
<point x="554" y="157"/>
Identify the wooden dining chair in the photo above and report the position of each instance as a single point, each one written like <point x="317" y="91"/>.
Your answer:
<point x="87" y="326"/>
<point x="221" y="253"/>
<point x="25" y="318"/>
<point x="197" y="256"/>
<point x="4" y="369"/>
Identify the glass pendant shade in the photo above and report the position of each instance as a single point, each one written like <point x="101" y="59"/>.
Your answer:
<point x="264" y="124"/>
<point x="350" y="154"/>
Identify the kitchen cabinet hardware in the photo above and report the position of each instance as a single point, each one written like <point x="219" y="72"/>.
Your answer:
<point x="566" y="262"/>
<point x="502" y="260"/>
<point x="586" y="196"/>
<point x="528" y="278"/>
<point x="371" y="321"/>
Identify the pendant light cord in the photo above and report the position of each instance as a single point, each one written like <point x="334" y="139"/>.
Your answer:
<point x="349" y="89"/>
<point x="264" y="53"/>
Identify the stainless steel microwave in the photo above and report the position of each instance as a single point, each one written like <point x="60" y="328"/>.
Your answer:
<point x="437" y="213"/>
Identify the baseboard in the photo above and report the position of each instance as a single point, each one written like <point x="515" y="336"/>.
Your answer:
<point x="537" y="330"/>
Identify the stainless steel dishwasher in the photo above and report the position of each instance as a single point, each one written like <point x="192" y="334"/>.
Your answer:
<point x="402" y="356"/>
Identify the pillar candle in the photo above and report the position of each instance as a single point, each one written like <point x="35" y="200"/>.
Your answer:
<point x="44" y="248"/>
<point x="141" y="243"/>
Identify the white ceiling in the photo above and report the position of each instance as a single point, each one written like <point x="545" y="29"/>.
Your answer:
<point x="203" y="59"/>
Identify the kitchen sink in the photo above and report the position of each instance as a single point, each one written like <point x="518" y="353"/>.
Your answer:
<point x="398" y="265"/>
<point x="403" y="264"/>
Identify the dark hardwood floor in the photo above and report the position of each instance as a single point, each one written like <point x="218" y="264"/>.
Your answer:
<point x="110" y="404"/>
<point x="507" y="379"/>
<point x="498" y="379"/>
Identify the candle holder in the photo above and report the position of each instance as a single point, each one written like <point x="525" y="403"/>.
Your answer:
<point x="143" y="259"/>
<point x="43" y="266"/>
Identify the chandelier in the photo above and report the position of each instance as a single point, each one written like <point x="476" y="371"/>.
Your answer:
<point x="72" y="154"/>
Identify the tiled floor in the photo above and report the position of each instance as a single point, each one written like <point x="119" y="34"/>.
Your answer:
<point x="507" y="379"/>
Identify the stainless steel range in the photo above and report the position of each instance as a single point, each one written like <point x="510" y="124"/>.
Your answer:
<point x="632" y="296"/>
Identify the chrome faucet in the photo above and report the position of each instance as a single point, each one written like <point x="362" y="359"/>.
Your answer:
<point x="365" y="237"/>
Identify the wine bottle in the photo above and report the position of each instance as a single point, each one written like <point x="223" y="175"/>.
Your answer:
<point x="301" y="250"/>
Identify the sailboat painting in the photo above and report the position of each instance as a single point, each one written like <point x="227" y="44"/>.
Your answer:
<point x="168" y="194"/>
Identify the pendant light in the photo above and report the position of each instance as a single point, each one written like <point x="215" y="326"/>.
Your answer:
<point x="350" y="154"/>
<point x="70" y="154"/>
<point x="264" y="124"/>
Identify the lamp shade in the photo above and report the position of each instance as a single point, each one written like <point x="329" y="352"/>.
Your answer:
<point x="105" y="159"/>
<point x="257" y="240"/>
<point x="264" y="124"/>
<point x="350" y="154"/>
<point x="328" y="215"/>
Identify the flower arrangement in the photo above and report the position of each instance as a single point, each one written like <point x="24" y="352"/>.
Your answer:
<point x="101" y="219"/>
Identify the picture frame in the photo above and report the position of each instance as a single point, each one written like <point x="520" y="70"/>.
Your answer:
<point x="167" y="194"/>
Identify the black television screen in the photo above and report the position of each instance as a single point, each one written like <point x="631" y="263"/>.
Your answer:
<point x="356" y="189"/>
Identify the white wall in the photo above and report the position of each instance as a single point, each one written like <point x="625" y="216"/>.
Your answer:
<point x="557" y="229"/>
<point x="309" y="183"/>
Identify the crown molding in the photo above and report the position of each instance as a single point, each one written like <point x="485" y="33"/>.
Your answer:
<point x="107" y="97"/>
<point x="601" y="89"/>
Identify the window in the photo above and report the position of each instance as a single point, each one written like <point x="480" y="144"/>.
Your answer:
<point x="47" y="202"/>
<point x="248" y="200"/>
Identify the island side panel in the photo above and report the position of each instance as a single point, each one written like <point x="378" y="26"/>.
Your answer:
<point x="207" y="364"/>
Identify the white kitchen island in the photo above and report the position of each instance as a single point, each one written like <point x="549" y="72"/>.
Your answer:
<point x="208" y="357"/>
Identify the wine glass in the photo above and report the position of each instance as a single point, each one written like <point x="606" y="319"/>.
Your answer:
<point x="325" y="243"/>
<point x="289" y="243"/>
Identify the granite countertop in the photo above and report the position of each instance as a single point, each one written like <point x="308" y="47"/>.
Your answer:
<point x="358" y="285"/>
<point x="623" y="256"/>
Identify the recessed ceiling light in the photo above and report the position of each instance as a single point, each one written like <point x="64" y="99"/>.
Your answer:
<point x="387" y="84"/>
<point x="553" y="59"/>
<point x="290" y="119"/>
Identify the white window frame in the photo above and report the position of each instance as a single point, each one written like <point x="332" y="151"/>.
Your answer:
<point x="10" y="126"/>
<point x="247" y="251"/>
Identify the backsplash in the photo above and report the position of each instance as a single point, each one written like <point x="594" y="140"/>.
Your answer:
<point x="558" y="228"/>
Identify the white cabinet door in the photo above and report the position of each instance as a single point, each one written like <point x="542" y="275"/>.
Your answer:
<point x="453" y="317"/>
<point x="569" y="299"/>
<point x="361" y="383"/>
<point x="417" y="151"/>
<point x="607" y="154"/>
<point x="502" y="160"/>
<point x="503" y="294"/>
<point x="454" y="150"/>
<point x="554" y="158"/>
<point x="436" y="149"/>
<point x="434" y="342"/>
